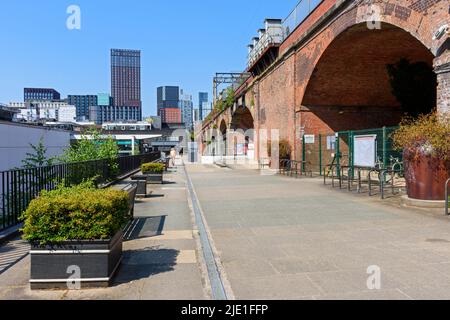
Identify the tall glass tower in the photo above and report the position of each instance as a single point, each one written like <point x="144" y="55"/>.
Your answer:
<point x="202" y="101"/>
<point x="126" y="80"/>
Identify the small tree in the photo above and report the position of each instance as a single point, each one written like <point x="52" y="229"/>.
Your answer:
<point x="92" y="147"/>
<point x="37" y="158"/>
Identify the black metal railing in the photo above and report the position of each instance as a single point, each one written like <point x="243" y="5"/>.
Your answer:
<point x="18" y="187"/>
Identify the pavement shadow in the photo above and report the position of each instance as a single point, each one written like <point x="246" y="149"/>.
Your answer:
<point x="12" y="253"/>
<point x="144" y="263"/>
<point x="145" y="228"/>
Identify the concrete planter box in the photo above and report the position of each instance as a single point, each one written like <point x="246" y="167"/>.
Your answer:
<point x="154" y="178"/>
<point x="141" y="181"/>
<point x="97" y="260"/>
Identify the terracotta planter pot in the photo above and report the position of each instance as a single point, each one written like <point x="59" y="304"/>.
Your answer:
<point x="425" y="176"/>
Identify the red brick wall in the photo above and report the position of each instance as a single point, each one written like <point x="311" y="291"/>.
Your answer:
<point x="313" y="87"/>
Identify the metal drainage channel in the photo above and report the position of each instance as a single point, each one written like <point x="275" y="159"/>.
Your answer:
<point x="217" y="287"/>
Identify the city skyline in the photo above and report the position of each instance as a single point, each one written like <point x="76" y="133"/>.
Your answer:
<point x="76" y="62"/>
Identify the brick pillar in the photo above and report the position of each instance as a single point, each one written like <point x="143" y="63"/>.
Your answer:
<point x="442" y="69"/>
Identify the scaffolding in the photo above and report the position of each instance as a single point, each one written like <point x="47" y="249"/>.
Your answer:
<point x="232" y="78"/>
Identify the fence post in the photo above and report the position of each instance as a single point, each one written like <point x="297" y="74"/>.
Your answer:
<point x="351" y="159"/>
<point x="338" y="155"/>
<point x="447" y="190"/>
<point x="384" y="147"/>
<point x="303" y="153"/>
<point x="320" y="153"/>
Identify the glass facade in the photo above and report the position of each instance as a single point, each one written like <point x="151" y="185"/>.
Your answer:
<point x="83" y="103"/>
<point x="202" y="100"/>
<point x="168" y="99"/>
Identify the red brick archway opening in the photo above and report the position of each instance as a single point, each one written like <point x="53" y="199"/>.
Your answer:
<point x="242" y="119"/>
<point x="242" y="123"/>
<point x="350" y="88"/>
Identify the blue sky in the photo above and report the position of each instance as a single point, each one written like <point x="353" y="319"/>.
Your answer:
<point x="183" y="43"/>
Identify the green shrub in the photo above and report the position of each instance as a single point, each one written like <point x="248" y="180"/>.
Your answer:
<point x="152" y="168"/>
<point x="75" y="213"/>
<point x="284" y="149"/>
<point x="426" y="135"/>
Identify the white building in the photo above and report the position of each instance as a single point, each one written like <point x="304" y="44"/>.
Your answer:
<point x="34" y="111"/>
<point x="18" y="137"/>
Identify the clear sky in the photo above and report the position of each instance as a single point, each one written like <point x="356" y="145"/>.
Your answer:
<point x="183" y="42"/>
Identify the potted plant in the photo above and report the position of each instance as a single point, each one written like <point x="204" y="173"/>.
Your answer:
<point x="425" y="142"/>
<point x="153" y="172"/>
<point x="76" y="236"/>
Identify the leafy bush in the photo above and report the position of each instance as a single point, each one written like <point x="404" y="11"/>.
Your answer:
<point x="152" y="168"/>
<point x="426" y="135"/>
<point x="75" y="213"/>
<point x="284" y="148"/>
<point x="92" y="146"/>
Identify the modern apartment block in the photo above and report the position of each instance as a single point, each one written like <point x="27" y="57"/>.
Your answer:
<point x="126" y="84"/>
<point x="40" y="94"/>
<point x="170" y="115"/>
<point x="83" y="103"/>
<point x="106" y="112"/>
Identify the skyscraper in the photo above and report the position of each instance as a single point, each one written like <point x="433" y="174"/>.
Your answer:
<point x="202" y="99"/>
<point x="168" y="98"/>
<point x="126" y="82"/>
<point x="187" y="110"/>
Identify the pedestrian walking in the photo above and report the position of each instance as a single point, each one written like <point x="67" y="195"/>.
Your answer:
<point x="173" y="155"/>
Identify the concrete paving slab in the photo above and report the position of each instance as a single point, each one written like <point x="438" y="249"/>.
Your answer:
<point x="273" y="230"/>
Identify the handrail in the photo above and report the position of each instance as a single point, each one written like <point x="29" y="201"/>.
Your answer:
<point x="447" y="190"/>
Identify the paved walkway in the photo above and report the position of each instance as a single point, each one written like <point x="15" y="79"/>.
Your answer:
<point x="161" y="261"/>
<point x="275" y="238"/>
<point x="282" y="238"/>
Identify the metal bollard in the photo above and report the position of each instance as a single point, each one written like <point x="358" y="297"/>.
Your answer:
<point x="447" y="189"/>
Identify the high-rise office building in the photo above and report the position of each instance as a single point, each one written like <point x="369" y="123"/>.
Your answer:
<point x="126" y="83"/>
<point x="168" y="98"/>
<point x="202" y="99"/>
<point x="40" y="94"/>
<point x="83" y="103"/>
<point x="187" y="109"/>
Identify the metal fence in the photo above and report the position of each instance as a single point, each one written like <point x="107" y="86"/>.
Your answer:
<point x="319" y="151"/>
<point x="19" y="187"/>
<point x="298" y="15"/>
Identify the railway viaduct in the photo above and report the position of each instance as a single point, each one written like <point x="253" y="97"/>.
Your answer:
<point x="330" y="73"/>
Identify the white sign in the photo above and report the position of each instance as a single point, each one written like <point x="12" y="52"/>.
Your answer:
<point x="310" y="138"/>
<point x="365" y="151"/>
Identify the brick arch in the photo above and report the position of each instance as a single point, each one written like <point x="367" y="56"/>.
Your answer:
<point x="349" y="88"/>
<point x="242" y="119"/>
<point x="412" y="17"/>
<point x="335" y="72"/>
